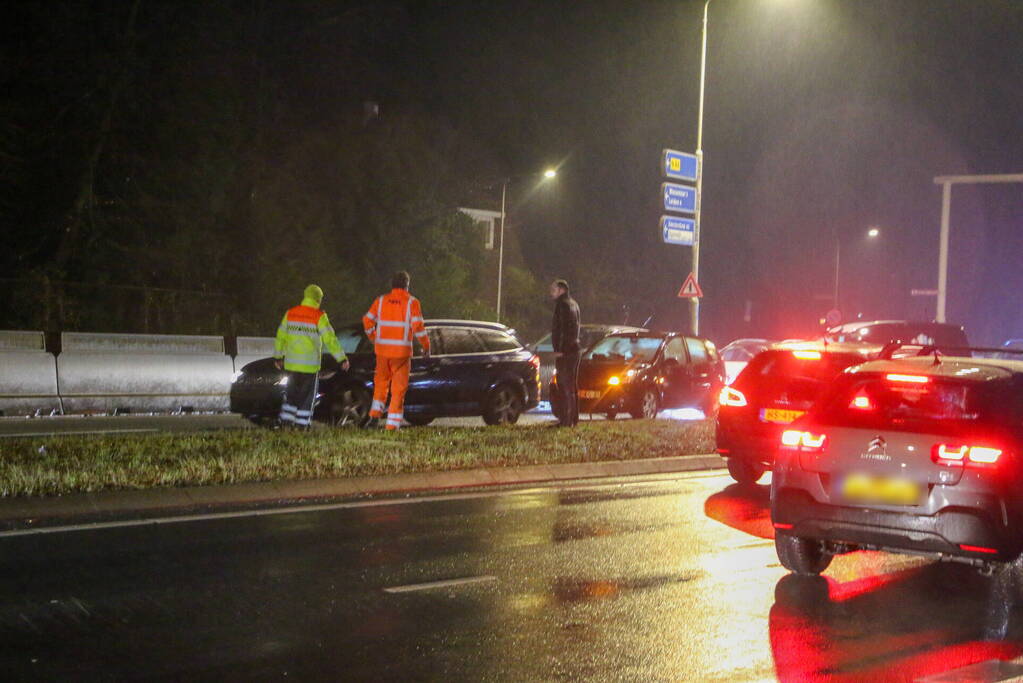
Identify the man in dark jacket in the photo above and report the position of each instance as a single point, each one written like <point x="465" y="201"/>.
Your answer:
<point x="565" y="340"/>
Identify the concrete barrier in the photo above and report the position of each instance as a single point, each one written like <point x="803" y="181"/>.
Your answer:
<point x="28" y="375"/>
<point x="143" y="373"/>
<point x="252" y="348"/>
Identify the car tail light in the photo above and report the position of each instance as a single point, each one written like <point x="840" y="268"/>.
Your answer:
<point x="804" y="441"/>
<point x="861" y="402"/>
<point x="960" y="454"/>
<point x="807" y="355"/>
<point x="731" y="397"/>
<point x="535" y="361"/>
<point x="911" y="379"/>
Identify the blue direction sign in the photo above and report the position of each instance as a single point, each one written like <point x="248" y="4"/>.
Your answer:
<point x="675" y="230"/>
<point x="679" y="197"/>
<point x="679" y="165"/>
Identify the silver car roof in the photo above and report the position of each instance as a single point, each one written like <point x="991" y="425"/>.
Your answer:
<point x="952" y="367"/>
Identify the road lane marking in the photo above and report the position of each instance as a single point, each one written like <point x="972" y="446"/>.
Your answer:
<point x="79" y="433"/>
<point x="430" y="585"/>
<point x="327" y="507"/>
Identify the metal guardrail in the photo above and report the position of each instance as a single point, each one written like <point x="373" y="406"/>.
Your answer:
<point x="28" y="375"/>
<point x="143" y="373"/>
<point x="252" y="348"/>
<point x="110" y="373"/>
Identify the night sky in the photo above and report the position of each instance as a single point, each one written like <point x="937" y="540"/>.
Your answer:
<point x="823" y="118"/>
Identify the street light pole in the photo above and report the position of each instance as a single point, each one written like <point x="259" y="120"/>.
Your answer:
<point x="547" y="175"/>
<point x="694" y="302"/>
<point x="838" y="260"/>
<point x="500" y="252"/>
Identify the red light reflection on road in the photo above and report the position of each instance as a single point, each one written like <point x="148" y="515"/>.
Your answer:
<point x="746" y="508"/>
<point x="885" y="627"/>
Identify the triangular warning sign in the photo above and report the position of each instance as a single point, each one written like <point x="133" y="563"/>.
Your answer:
<point x="690" y="288"/>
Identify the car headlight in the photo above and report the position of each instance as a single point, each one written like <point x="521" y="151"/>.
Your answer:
<point x="237" y="376"/>
<point x="614" y="380"/>
<point x="283" y="381"/>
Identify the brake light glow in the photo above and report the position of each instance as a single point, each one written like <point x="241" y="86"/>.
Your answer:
<point x="807" y="355"/>
<point x="807" y="441"/>
<point x="791" y="438"/>
<point x="782" y="525"/>
<point x="985" y="455"/>
<point x="861" y="402"/>
<point x="912" y="379"/>
<point x="731" y="397"/>
<point x="978" y="549"/>
<point x="945" y="454"/>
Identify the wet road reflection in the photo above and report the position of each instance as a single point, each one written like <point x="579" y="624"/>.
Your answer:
<point x="674" y="578"/>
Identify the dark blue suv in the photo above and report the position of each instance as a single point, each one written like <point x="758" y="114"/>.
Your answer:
<point x="476" y="368"/>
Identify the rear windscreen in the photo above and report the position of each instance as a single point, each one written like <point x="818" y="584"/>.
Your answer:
<point x="879" y="402"/>
<point x="627" y="348"/>
<point x="781" y="378"/>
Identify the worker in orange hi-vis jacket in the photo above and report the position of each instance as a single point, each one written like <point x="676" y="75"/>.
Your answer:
<point x="391" y="322"/>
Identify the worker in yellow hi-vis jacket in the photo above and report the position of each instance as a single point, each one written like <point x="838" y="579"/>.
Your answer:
<point x="302" y="334"/>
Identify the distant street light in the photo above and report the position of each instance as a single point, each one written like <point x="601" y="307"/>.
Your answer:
<point x="871" y="233"/>
<point x="547" y="175"/>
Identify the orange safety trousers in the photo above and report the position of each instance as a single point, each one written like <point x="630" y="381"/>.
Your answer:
<point x="391" y="374"/>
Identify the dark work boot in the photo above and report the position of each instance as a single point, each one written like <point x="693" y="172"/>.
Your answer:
<point x="372" y="423"/>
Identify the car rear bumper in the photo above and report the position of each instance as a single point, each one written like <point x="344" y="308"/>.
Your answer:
<point x="950" y="532"/>
<point x="739" y="439"/>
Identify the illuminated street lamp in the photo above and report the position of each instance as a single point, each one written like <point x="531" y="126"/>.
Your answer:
<point x="872" y="233"/>
<point x="547" y="175"/>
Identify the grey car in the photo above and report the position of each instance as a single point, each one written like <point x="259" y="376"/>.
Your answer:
<point x="916" y="455"/>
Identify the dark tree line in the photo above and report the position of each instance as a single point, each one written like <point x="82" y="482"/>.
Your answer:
<point x="189" y="167"/>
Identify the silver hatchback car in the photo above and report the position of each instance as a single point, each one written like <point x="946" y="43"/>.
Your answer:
<point x="917" y="455"/>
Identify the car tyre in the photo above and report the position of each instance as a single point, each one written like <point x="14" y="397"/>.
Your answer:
<point x="418" y="420"/>
<point x="503" y="405"/>
<point x="802" y="556"/>
<point x="646" y="406"/>
<point x="350" y="408"/>
<point x="743" y="471"/>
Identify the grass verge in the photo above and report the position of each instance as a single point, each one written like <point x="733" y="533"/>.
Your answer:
<point x="72" y="464"/>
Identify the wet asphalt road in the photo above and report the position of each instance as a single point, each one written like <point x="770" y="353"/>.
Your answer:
<point x="671" y="578"/>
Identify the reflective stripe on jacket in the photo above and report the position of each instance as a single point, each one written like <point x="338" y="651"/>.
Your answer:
<point x="392" y="321"/>
<point x="303" y="333"/>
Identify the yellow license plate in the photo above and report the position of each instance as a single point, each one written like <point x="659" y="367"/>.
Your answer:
<point x="589" y="393"/>
<point x="779" y="416"/>
<point x="864" y="488"/>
